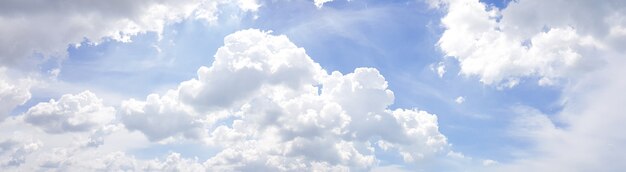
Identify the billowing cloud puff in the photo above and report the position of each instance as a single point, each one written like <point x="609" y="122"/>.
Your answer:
<point x="267" y="106"/>
<point x="160" y="117"/>
<point x="26" y="24"/>
<point x="244" y="65"/>
<point x="71" y="113"/>
<point x="320" y="3"/>
<point x="12" y="93"/>
<point x="550" y="40"/>
<point x="529" y="38"/>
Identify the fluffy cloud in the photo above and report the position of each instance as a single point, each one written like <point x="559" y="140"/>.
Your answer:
<point x="286" y="114"/>
<point x="71" y="113"/>
<point x="320" y="3"/>
<point x="551" y="41"/>
<point x="500" y="47"/>
<point x="12" y="92"/>
<point x="160" y="117"/>
<point x="26" y="24"/>
<point x="267" y="106"/>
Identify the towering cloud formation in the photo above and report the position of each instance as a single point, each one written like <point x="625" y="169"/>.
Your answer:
<point x="268" y="106"/>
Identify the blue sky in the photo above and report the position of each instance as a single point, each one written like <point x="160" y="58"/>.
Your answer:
<point x="397" y="38"/>
<point x="513" y="84"/>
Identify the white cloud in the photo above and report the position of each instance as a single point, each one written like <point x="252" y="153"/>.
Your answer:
<point x="499" y="47"/>
<point x="268" y="106"/>
<point x="12" y="92"/>
<point x="159" y="117"/>
<point x="71" y="113"/>
<point x="246" y="63"/>
<point x="26" y="27"/>
<point x="440" y="69"/>
<point x="459" y="100"/>
<point x="320" y="3"/>
<point x="553" y="41"/>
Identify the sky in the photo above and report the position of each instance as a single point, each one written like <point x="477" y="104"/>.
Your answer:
<point x="312" y="85"/>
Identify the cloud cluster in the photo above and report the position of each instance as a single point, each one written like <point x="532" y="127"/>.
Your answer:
<point x="263" y="104"/>
<point x="529" y="38"/>
<point x="267" y="105"/>
<point x="552" y="41"/>
<point x="26" y="27"/>
<point x="34" y="30"/>
<point x="71" y="113"/>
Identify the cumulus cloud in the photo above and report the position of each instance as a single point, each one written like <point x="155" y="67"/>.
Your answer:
<point x="267" y="106"/>
<point x="26" y="24"/>
<point x="12" y="92"/>
<point x="292" y="116"/>
<point x="71" y="113"/>
<point x="159" y="117"/>
<point x="500" y="47"/>
<point x="550" y="41"/>
<point x="320" y="3"/>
